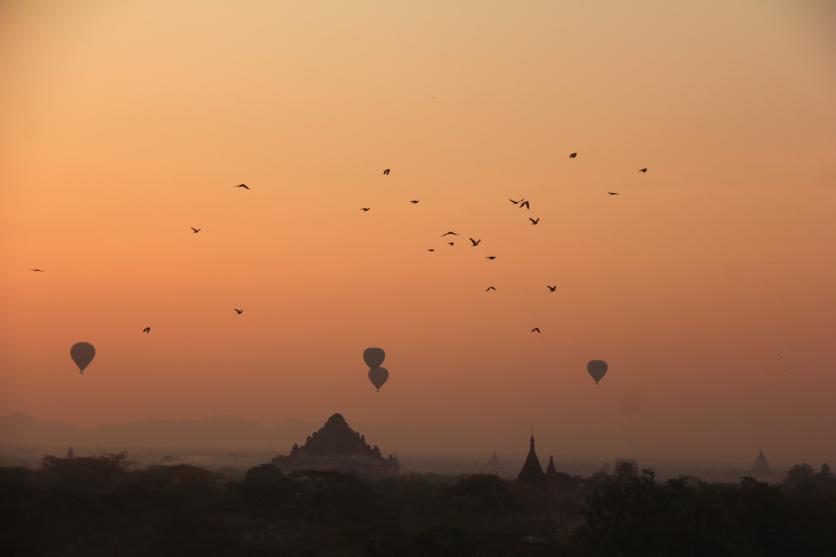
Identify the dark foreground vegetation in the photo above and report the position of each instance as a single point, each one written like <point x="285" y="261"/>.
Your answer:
<point x="101" y="507"/>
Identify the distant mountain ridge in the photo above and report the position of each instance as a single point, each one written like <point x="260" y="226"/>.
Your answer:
<point x="215" y="432"/>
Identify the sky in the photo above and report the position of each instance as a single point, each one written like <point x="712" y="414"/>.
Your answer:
<point x="707" y="284"/>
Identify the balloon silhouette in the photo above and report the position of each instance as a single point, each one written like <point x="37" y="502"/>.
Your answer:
<point x="378" y="376"/>
<point x="374" y="357"/>
<point x="597" y="369"/>
<point x="82" y="354"/>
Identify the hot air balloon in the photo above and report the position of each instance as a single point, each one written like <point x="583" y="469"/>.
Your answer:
<point x="374" y="357"/>
<point x="82" y="354"/>
<point x="597" y="369"/>
<point x="378" y="376"/>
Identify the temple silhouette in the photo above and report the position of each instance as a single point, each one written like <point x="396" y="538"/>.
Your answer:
<point x="337" y="447"/>
<point x="761" y="465"/>
<point x="551" y="471"/>
<point x="532" y="473"/>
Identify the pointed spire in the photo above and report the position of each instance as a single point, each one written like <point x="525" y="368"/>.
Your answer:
<point x="532" y="472"/>
<point x="551" y="471"/>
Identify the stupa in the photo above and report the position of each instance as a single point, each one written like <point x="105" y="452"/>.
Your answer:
<point x="761" y="465"/>
<point x="551" y="471"/>
<point x="532" y="472"/>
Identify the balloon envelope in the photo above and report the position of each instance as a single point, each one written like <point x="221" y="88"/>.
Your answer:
<point x="82" y="354"/>
<point x="597" y="369"/>
<point x="378" y="376"/>
<point x="374" y="356"/>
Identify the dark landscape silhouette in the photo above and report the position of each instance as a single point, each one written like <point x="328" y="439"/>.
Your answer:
<point x="336" y="495"/>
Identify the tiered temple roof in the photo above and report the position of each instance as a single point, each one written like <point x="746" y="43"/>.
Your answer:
<point x="337" y="447"/>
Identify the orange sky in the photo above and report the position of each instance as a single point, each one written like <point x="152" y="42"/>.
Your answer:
<point x="124" y="123"/>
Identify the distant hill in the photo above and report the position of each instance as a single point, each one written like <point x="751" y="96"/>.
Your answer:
<point x="216" y="432"/>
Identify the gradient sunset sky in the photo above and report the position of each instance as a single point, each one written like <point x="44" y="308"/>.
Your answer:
<point x="709" y="284"/>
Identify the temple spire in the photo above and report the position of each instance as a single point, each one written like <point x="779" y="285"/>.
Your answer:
<point x="551" y="471"/>
<point x="532" y="472"/>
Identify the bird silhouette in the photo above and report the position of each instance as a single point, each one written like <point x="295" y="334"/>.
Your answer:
<point x="451" y="243"/>
<point x="536" y="330"/>
<point x="146" y="330"/>
<point x="551" y="288"/>
<point x="475" y="242"/>
<point x="365" y="209"/>
<point x="613" y="193"/>
<point x="431" y="250"/>
<point x="414" y="201"/>
<point x="450" y="233"/>
<point x="242" y="186"/>
<point x="386" y="171"/>
<point x="491" y="257"/>
<point x="642" y="170"/>
<point x="573" y="155"/>
<point x="490" y="288"/>
<point x="36" y="270"/>
<point x="525" y="204"/>
<point x="514" y="201"/>
<point x="195" y="230"/>
<point x="238" y="311"/>
<point x="534" y="221"/>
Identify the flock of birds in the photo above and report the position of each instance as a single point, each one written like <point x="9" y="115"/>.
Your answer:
<point x="521" y="203"/>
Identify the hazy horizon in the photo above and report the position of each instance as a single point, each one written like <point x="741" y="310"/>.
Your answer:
<point x="231" y="433"/>
<point x="707" y="284"/>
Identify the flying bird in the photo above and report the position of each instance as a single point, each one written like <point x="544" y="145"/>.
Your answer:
<point x="365" y="209"/>
<point x="386" y="171"/>
<point x="195" y="230"/>
<point x="238" y="311"/>
<point x="451" y="243"/>
<point x="491" y="257"/>
<point x="534" y="221"/>
<point x="514" y="201"/>
<point x="613" y="193"/>
<point x="36" y="270"/>
<point x="475" y="242"/>
<point x="525" y="204"/>
<point x="573" y="155"/>
<point x="242" y="186"/>
<point x="490" y="288"/>
<point x="551" y="288"/>
<point x="146" y="330"/>
<point x="450" y="233"/>
<point x="536" y="330"/>
<point x="414" y="201"/>
<point x="642" y="170"/>
<point x="431" y="250"/>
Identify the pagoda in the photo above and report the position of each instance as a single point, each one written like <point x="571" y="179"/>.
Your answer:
<point x="337" y="447"/>
<point x="761" y="465"/>
<point x="532" y="472"/>
<point x="551" y="471"/>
